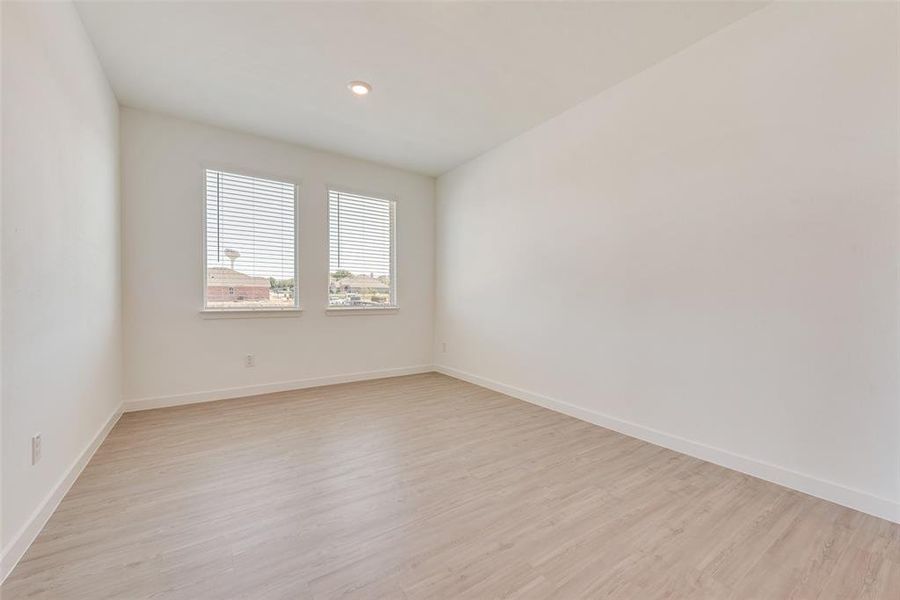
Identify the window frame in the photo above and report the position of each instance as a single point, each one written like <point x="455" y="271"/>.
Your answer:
<point x="243" y="312"/>
<point x="394" y="276"/>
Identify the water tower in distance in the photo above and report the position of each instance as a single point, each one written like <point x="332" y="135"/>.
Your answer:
<point x="232" y="255"/>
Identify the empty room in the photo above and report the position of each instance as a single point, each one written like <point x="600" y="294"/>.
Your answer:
<point x="450" y="300"/>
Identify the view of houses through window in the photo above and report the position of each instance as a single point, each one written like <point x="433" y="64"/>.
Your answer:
<point x="250" y="239"/>
<point x="348" y="289"/>
<point x="361" y="249"/>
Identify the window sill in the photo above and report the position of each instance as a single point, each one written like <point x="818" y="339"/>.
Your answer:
<point x="335" y="311"/>
<point x="249" y="313"/>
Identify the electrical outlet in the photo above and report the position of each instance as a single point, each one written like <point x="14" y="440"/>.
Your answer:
<point x="250" y="361"/>
<point x="444" y="347"/>
<point x="36" y="449"/>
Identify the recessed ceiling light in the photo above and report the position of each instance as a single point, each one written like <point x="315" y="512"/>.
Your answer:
<point x="360" y="88"/>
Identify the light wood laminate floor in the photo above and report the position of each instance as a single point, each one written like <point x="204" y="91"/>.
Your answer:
<point x="429" y="487"/>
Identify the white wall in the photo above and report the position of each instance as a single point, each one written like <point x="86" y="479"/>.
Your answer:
<point x="61" y="256"/>
<point x="172" y="351"/>
<point x="705" y="255"/>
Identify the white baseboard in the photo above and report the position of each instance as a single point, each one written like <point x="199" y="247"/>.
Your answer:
<point x="826" y="490"/>
<point x="23" y="538"/>
<point x="268" y="388"/>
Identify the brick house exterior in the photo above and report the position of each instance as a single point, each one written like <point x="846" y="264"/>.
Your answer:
<point x="227" y="285"/>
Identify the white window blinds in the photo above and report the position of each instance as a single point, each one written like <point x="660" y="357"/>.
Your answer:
<point x="361" y="248"/>
<point x="250" y="242"/>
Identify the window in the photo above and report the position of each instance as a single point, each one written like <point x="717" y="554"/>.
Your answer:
<point x="250" y="239"/>
<point x="361" y="249"/>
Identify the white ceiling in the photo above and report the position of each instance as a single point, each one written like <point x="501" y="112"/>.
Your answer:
<point x="451" y="80"/>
